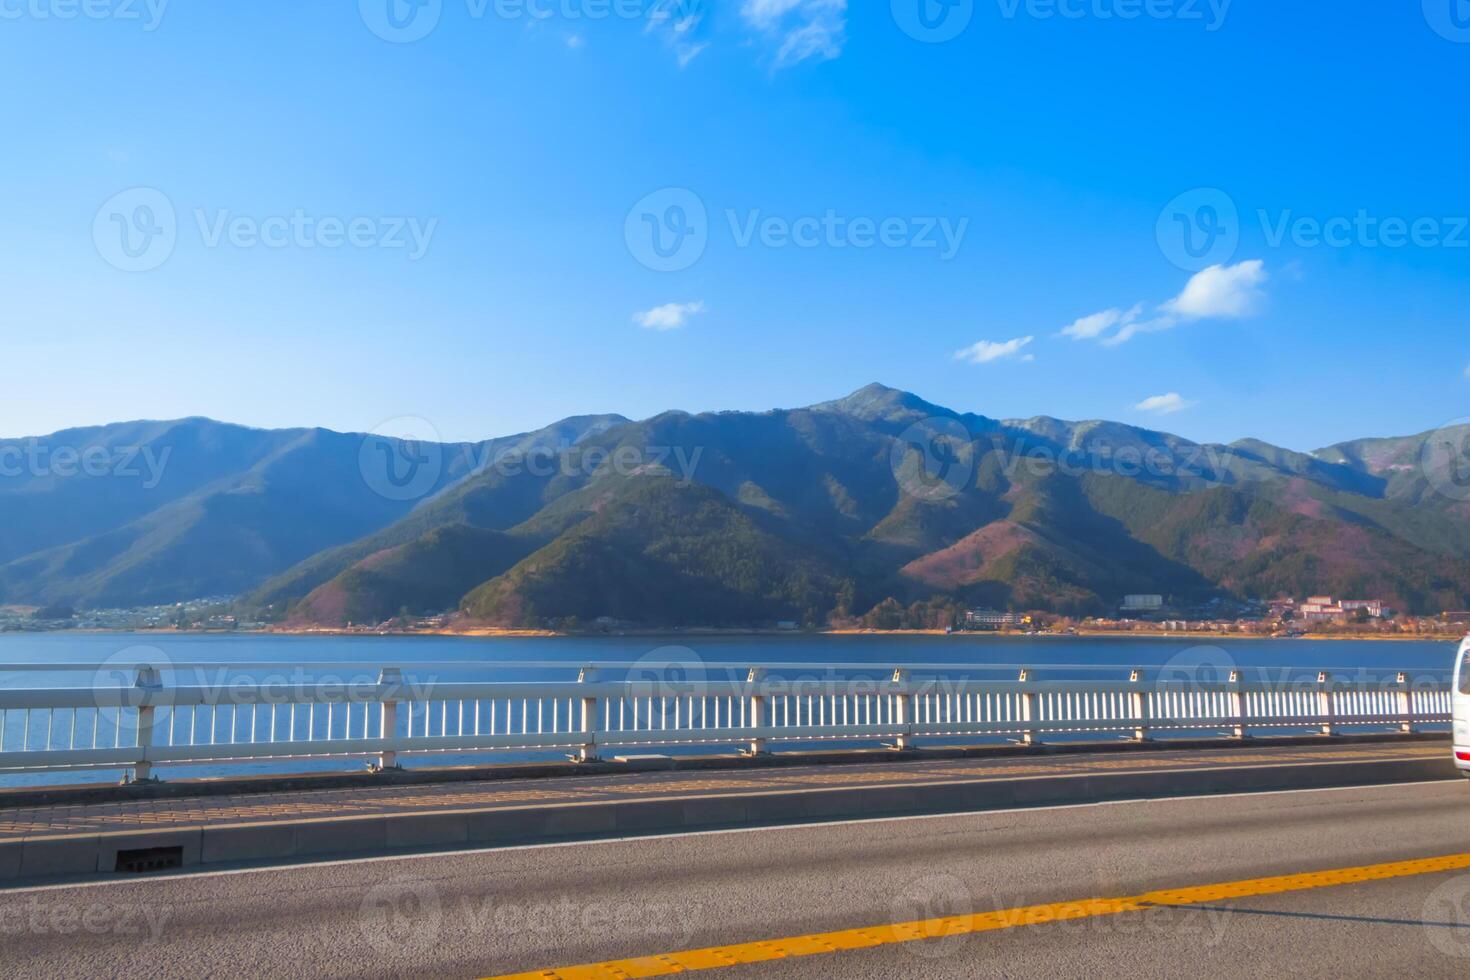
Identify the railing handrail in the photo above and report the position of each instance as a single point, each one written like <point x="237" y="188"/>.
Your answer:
<point x="266" y="692"/>
<point x="241" y="719"/>
<point x="165" y="663"/>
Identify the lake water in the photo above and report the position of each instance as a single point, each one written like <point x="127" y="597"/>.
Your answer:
<point x="218" y="659"/>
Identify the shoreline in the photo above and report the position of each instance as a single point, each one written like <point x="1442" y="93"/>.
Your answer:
<point x="488" y="632"/>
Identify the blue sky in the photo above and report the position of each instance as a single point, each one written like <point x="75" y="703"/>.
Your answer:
<point x="454" y="221"/>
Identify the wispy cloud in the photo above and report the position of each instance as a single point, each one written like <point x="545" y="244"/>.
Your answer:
<point x="985" y="351"/>
<point x="1090" y="327"/>
<point x="1165" y="404"/>
<point x="1221" y="291"/>
<point x="670" y="316"/>
<point x="575" y="41"/>
<point x="802" y="29"/>
<point x="1467" y="370"/>
<point x="677" y="22"/>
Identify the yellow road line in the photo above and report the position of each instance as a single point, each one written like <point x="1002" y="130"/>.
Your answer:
<point x="819" y="944"/>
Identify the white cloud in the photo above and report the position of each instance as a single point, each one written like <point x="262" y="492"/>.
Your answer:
<point x="575" y="41"/>
<point x="802" y="28"/>
<point x="1165" y="404"/>
<point x="1220" y="291"/>
<point x="985" y="351"/>
<point x="670" y="316"/>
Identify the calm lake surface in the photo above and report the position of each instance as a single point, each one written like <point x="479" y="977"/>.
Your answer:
<point x="218" y="658"/>
<point x="1093" y="654"/>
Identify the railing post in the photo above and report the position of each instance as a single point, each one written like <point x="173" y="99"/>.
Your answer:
<point x="1028" y="711"/>
<point x="757" y="712"/>
<point x="148" y="681"/>
<point x="1237" y="704"/>
<point x="1325" y="705"/>
<point x="588" y="751"/>
<point x="1406" y="705"/>
<point x="388" y="759"/>
<point x="1140" y="707"/>
<point x="904" y="706"/>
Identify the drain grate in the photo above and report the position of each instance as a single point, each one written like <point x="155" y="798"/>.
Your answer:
<point x="142" y="860"/>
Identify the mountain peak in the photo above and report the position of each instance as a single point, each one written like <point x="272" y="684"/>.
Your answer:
<point x="879" y="403"/>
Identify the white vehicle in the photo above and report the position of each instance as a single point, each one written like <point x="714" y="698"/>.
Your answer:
<point x="1462" y="708"/>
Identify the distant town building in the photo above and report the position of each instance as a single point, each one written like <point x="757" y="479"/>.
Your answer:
<point x="1457" y="617"/>
<point x="1323" y="609"/>
<point x="990" y="619"/>
<point x="1142" y="603"/>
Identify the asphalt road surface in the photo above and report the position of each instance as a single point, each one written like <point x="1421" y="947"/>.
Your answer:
<point x="537" y="909"/>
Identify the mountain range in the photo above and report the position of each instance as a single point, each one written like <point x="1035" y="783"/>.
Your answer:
<point x="876" y="505"/>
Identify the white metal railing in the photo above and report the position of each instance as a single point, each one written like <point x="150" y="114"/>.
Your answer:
<point x="386" y="715"/>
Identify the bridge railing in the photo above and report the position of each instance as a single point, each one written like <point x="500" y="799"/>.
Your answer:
<point x="151" y="721"/>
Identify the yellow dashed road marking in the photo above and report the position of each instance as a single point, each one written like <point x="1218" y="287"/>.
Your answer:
<point x="827" y="943"/>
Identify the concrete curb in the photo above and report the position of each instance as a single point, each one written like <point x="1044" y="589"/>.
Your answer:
<point x="87" y="793"/>
<point x="295" y="841"/>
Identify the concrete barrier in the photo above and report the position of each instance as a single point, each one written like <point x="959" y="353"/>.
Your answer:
<point x="300" y="840"/>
